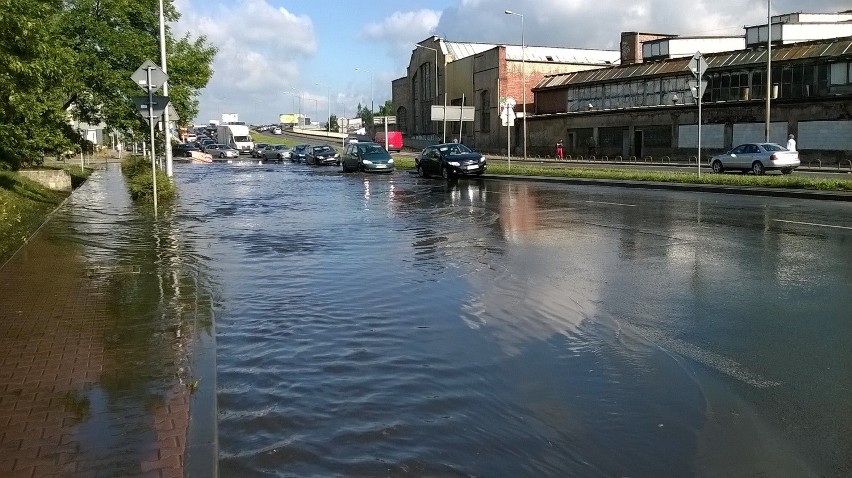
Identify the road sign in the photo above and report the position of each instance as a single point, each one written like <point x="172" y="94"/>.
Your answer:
<point x="158" y="76"/>
<point x="507" y="116"/>
<point x="159" y="106"/>
<point x="696" y="91"/>
<point x="173" y="116"/>
<point x="698" y="63"/>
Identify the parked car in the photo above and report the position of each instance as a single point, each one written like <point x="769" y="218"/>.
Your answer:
<point x="184" y="149"/>
<point x="204" y="143"/>
<point x="222" y="151"/>
<point x="366" y="157"/>
<point x="393" y="141"/>
<point x="276" y="152"/>
<point x="449" y="160"/>
<point x="257" y="150"/>
<point x="322" y="155"/>
<point x="757" y="158"/>
<point x="299" y="152"/>
<point x="276" y="131"/>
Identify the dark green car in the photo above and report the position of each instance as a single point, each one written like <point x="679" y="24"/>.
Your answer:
<point x="367" y="157"/>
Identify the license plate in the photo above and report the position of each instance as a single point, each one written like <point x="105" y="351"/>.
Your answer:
<point x="473" y="166"/>
<point x="379" y="166"/>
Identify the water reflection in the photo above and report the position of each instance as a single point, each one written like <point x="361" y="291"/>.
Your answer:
<point x="375" y="325"/>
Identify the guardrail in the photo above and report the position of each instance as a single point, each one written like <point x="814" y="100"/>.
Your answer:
<point x="848" y="161"/>
<point x="817" y="161"/>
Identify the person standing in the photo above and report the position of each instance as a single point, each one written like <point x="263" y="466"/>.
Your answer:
<point x="559" y="150"/>
<point x="791" y="143"/>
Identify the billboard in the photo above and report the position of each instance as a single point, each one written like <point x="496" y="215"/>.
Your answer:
<point x="291" y="118"/>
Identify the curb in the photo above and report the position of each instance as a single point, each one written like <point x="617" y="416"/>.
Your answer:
<point x="706" y="188"/>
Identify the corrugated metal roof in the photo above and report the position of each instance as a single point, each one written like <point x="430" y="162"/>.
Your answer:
<point x="834" y="48"/>
<point x="459" y="50"/>
<point x="580" y="56"/>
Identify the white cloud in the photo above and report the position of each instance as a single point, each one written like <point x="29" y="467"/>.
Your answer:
<point x="401" y="30"/>
<point x="256" y="53"/>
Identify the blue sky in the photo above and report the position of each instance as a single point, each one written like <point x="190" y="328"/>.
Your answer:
<point x="269" y="47"/>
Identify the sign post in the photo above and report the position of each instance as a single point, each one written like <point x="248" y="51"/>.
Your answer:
<point x="150" y="78"/>
<point x="507" y="116"/>
<point x="698" y="65"/>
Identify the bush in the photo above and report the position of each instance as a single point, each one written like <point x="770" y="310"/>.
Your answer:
<point x="140" y="182"/>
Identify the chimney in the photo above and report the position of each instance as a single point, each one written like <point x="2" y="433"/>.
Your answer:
<point x="631" y="49"/>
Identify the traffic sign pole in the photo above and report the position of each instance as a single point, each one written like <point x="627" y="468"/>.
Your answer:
<point x="151" y="121"/>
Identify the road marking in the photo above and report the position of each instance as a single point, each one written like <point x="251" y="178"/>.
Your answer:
<point x="814" y="224"/>
<point x="612" y="203"/>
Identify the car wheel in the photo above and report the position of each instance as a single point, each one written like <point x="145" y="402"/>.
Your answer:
<point x="757" y="168"/>
<point x="786" y="170"/>
<point x="717" y="167"/>
<point x="420" y="171"/>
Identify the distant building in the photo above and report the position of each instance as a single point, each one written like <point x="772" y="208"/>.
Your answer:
<point x="645" y="106"/>
<point x="479" y="75"/>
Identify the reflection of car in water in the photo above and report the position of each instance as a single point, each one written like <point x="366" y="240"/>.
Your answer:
<point x="757" y="158"/>
<point x="449" y="160"/>
<point x="366" y="157"/>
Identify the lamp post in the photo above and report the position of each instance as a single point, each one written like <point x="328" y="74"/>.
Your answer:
<point x="371" y="88"/>
<point x="168" y="139"/>
<point x="523" y="76"/>
<point x="768" y="63"/>
<point x="328" y="100"/>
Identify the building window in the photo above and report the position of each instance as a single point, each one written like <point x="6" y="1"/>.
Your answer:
<point x="840" y="74"/>
<point x="485" y="112"/>
<point x="402" y="119"/>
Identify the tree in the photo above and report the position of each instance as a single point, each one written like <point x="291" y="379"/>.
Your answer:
<point x="365" y="115"/>
<point x="110" y="40"/>
<point x="332" y="120"/>
<point x="386" y="109"/>
<point x="35" y="68"/>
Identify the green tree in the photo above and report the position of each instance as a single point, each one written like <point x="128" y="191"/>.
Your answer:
<point x="365" y="115"/>
<point x="35" y="82"/>
<point x="386" y="109"/>
<point x="332" y="120"/>
<point x="110" y="40"/>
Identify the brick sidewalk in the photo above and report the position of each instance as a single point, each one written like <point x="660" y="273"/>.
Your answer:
<point x="89" y="386"/>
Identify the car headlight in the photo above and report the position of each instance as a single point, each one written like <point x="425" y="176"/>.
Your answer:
<point x="482" y="159"/>
<point x="454" y="163"/>
<point x="390" y="161"/>
<point x="366" y="161"/>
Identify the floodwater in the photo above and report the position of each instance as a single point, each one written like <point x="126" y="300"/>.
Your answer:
<point x="398" y="326"/>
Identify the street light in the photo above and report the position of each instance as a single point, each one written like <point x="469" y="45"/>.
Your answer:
<point x="523" y="76"/>
<point x="328" y="99"/>
<point x="371" y="87"/>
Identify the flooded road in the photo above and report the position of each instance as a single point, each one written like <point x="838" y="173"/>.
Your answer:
<point x="398" y="326"/>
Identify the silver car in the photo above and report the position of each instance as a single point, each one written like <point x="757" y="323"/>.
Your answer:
<point x="276" y="152"/>
<point x="221" y="151"/>
<point x="757" y="158"/>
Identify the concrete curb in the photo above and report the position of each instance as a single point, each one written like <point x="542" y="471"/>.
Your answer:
<point x="706" y="188"/>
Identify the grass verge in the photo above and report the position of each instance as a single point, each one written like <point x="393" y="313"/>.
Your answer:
<point x="788" y="181"/>
<point x="140" y="182"/>
<point x="25" y="205"/>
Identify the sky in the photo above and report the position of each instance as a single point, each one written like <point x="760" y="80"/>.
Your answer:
<point x="275" y="54"/>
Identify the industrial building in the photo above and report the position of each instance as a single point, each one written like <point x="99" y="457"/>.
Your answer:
<point x="638" y="102"/>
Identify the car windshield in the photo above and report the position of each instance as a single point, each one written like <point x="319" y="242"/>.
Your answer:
<point x="370" y="149"/>
<point x="282" y="146"/>
<point x="453" y="149"/>
<point x="322" y="149"/>
<point x="260" y="145"/>
<point x="242" y="139"/>
<point x="773" y="147"/>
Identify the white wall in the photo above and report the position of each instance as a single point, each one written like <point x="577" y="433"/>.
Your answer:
<point x="712" y="136"/>
<point x="756" y="132"/>
<point x="830" y="135"/>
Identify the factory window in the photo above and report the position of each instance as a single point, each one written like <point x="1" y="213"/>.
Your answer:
<point x="840" y="73"/>
<point x="485" y="112"/>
